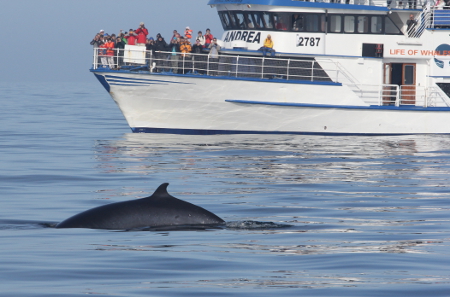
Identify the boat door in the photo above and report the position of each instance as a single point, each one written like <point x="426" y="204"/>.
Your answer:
<point x="403" y="75"/>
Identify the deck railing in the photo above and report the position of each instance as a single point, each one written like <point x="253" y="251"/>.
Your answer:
<point x="395" y="95"/>
<point x="224" y="65"/>
<point x="430" y="17"/>
<point x="398" y="4"/>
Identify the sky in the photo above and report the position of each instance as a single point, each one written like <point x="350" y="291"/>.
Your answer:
<point x="48" y="40"/>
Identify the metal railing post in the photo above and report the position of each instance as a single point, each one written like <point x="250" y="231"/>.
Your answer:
<point x="397" y="96"/>
<point x="237" y="65"/>
<point x="287" y="70"/>
<point x="182" y="67"/>
<point x="312" y="70"/>
<point x="262" y="67"/>
<point x="95" y="58"/>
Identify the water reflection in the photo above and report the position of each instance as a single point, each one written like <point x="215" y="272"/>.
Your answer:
<point x="280" y="159"/>
<point x="312" y="248"/>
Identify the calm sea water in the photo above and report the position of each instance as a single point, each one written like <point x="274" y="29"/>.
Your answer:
<point x="348" y="216"/>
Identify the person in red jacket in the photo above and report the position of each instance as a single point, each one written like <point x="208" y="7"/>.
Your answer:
<point x="131" y="37"/>
<point x="142" y="33"/>
<point x="208" y="38"/>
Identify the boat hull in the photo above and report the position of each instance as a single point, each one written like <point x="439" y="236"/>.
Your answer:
<point x="190" y="104"/>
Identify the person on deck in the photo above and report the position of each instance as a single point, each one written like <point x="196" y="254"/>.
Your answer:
<point x="201" y="38"/>
<point x="109" y="45"/>
<point x="208" y="38"/>
<point x="97" y="41"/>
<point x="160" y="47"/>
<point x="174" y="49"/>
<point x="188" y="33"/>
<point x="199" y="58"/>
<point x="214" y="50"/>
<point x="411" y="23"/>
<point x="268" y="46"/>
<point x="131" y="37"/>
<point x="120" y="46"/>
<point x="186" y="49"/>
<point x="142" y="33"/>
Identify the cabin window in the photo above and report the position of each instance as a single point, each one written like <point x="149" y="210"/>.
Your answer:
<point x="376" y="24"/>
<point x="349" y="24"/>
<point x="298" y="21"/>
<point x="281" y="21"/>
<point x="307" y="22"/>
<point x="240" y="20"/>
<point x="312" y="23"/>
<point x="267" y="18"/>
<point x="362" y="24"/>
<point x="251" y="23"/>
<point x="390" y="27"/>
<point x="226" y="21"/>
<point x="335" y="23"/>
<point x="258" y="20"/>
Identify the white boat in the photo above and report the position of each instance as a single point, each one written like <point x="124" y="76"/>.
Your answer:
<point x="340" y="67"/>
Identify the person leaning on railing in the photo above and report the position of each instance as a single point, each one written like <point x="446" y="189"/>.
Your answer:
<point x="198" y="59"/>
<point x="160" y="47"/>
<point x="120" y="46"/>
<point x="96" y="43"/>
<point x="214" y="50"/>
<point x="186" y="49"/>
<point x="109" y="45"/>
<point x="174" y="49"/>
<point x="150" y="48"/>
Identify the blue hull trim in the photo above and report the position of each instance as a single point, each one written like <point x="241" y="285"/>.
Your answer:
<point x="115" y="75"/>
<point x="232" y="132"/>
<point x="103" y="81"/>
<point x="371" y="107"/>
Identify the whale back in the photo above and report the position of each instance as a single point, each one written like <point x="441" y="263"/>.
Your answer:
<point x="158" y="210"/>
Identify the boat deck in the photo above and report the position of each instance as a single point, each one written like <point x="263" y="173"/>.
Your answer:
<point x="295" y="70"/>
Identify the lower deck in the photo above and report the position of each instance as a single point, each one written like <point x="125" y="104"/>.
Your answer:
<point x="399" y="85"/>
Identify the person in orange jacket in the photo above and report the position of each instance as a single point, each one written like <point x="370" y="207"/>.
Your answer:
<point x="109" y="45"/>
<point x="188" y="33"/>
<point x="185" y="49"/>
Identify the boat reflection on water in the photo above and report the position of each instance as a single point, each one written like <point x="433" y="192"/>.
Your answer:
<point x="275" y="158"/>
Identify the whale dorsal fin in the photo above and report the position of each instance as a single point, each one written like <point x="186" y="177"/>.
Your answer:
<point x="161" y="191"/>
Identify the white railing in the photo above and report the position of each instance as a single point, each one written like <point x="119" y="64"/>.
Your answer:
<point x="394" y="95"/>
<point x="399" y="4"/>
<point x="430" y="17"/>
<point x="436" y="97"/>
<point x="224" y="65"/>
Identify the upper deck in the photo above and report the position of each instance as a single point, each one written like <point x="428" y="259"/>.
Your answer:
<point x="294" y="5"/>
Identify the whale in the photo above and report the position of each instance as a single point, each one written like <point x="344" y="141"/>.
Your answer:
<point x="160" y="210"/>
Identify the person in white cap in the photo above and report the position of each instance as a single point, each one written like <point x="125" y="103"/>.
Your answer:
<point x="188" y="33"/>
